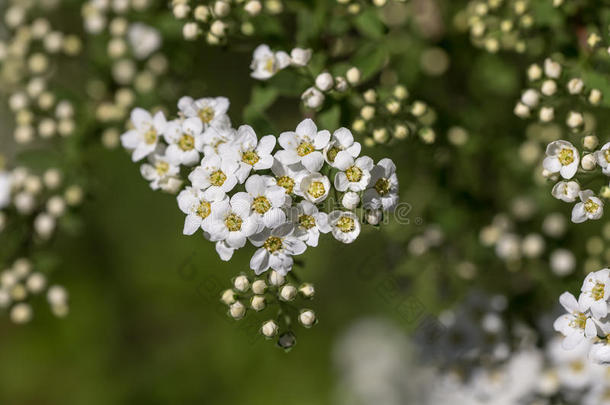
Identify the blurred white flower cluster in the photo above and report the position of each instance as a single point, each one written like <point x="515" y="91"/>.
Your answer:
<point x="19" y="284"/>
<point x="278" y="193"/>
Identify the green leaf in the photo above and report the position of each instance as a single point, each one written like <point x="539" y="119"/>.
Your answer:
<point x="369" y="24"/>
<point x="329" y="118"/>
<point x="370" y="59"/>
<point x="261" y="99"/>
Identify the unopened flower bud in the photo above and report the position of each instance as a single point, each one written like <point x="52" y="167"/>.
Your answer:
<point x="241" y="283"/>
<point x="367" y="112"/>
<point x="190" y="31"/>
<point x="324" y="81"/>
<point x="307" y="290"/>
<point x="237" y="310"/>
<point x="373" y="217"/>
<point x="300" y="56"/>
<point x="575" y="86"/>
<point x="228" y="297"/>
<point x="350" y="200"/>
<point x="521" y="110"/>
<point x="340" y="84"/>
<point x="288" y="293"/>
<point x="547" y="114"/>
<point x="595" y="97"/>
<point x="287" y="341"/>
<point x="253" y="7"/>
<point x="258" y="303"/>
<point x="222" y="8"/>
<point x="590" y="142"/>
<point x="307" y="318"/>
<point x="276" y="279"/>
<point x="401" y="131"/>
<point x="269" y="329"/>
<point x="530" y="98"/>
<point x="552" y="69"/>
<point x="549" y="87"/>
<point x="574" y="120"/>
<point x="370" y="96"/>
<point x="313" y="98"/>
<point x="534" y="72"/>
<point x="218" y="28"/>
<point x="259" y="287"/>
<point x="201" y="13"/>
<point x="588" y="161"/>
<point x="380" y="135"/>
<point x="353" y="75"/>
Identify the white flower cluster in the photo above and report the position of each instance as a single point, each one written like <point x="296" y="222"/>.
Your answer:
<point x="515" y="247"/>
<point x="587" y="318"/>
<point x="19" y="283"/>
<point x="29" y="56"/>
<point x="243" y="189"/>
<point x="563" y="158"/>
<point x="29" y="194"/>
<point x="551" y="93"/>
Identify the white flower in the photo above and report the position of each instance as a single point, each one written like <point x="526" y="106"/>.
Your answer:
<point x="225" y="252"/>
<point x="159" y="170"/>
<point x="595" y="292"/>
<point x="144" y="40"/>
<point x="600" y="354"/>
<point x="355" y="175"/>
<point x="143" y="139"/>
<point x="603" y="158"/>
<point x="562" y="262"/>
<point x="303" y="146"/>
<point x="309" y="222"/>
<point x="266" y="63"/>
<point x="181" y="137"/>
<point x="232" y="222"/>
<point x="276" y="248"/>
<point x="341" y="148"/>
<point x="313" y="98"/>
<point x="566" y="191"/>
<point x="383" y="186"/>
<point x="215" y="172"/>
<point x="590" y="207"/>
<point x="575" y="86"/>
<point x="288" y="177"/>
<point x="315" y="187"/>
<point x="344" y="225"/>
<point x="530" y="98"/>
<point x="575" y="325"/>
<point x="216" y="136"/>
<point x="5" y="189"/>
<point x="210" y="110"/>
<point x="350" y="200"/>
<point x="198" y="206"/>
<point x="266" y="200"/>
<point x="251" y="153"/>
<point x="563" y="158"/>
<point x="575" y="119"/>
<point x="300" y="56"/>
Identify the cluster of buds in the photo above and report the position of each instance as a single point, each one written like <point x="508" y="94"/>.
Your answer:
<point x="19" y="284"/>
<point x="357" y="6"/>
<point x="28" y="62"/>
<point x="135" y="61"/>
<point x="552" y="95"/>
<point x="41" y="200"/>
<point x="496" y="25"/>
<point x="517" y="240"/>
<point x="272" y="294"/>
<point x="217" y="20"/>
<point x="387" y="114"/>
<point x="326" y="84"/>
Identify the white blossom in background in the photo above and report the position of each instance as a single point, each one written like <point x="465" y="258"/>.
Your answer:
<point x="603" y="158"/>
<point x="5" y="189"/>
<point x="266" y="63"/>
<point x="143" y="39"/>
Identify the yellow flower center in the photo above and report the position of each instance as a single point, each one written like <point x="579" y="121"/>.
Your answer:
<point x="218" y="178"/>
<point x="332" y="153"/>
<point x="382" y="186"/>
<point x="354" y="174"/>
<point x="316" y="189"/>
<point x="286" y="182"/>
<point x="261" y="204"/>
<point x="607" y="155"/>
<point x="307" y="221"/>
<point x="150" y="136"/>
<point x="273" y="244"/>
<point x="598" y="291"/>
<point x="162" y="168"/>
<point x="591" y="206"/>
<point x="204" y="209"/>
<point x="566" y="156"/>
<point x="305" y="148"/>
<point x="250" y="157"/>
<point x="579" y="322"/>
<point x="270" y="65"/>
<point x="346" y="224"/>
<point x="577" y="366"/>
<point x="206" y="114"/>
<point x="233" y="222"/>
<point x="186" y="142"/>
